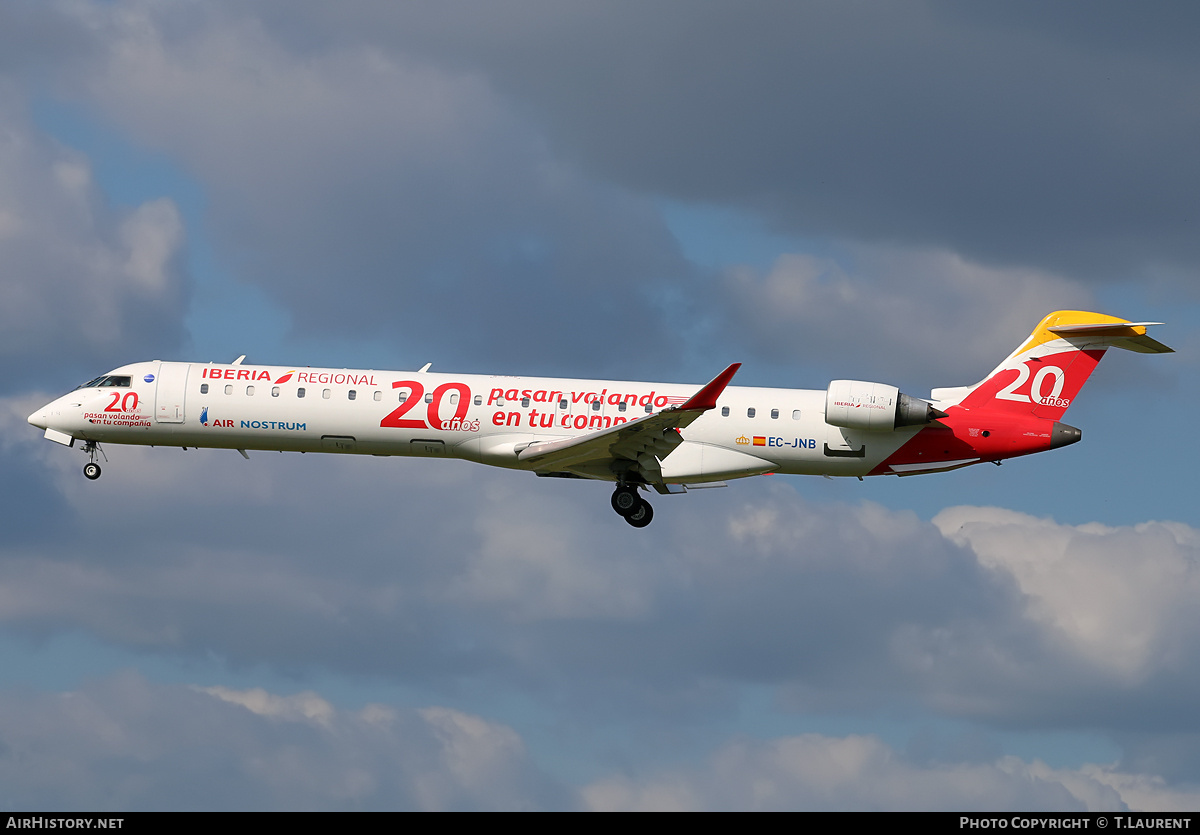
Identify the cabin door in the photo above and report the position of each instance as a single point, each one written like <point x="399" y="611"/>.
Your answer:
<point x="170" y="391"/>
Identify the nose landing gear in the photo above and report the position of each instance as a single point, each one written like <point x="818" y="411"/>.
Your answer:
<point x="633" y="508"/>
<point x="91" y="470"/>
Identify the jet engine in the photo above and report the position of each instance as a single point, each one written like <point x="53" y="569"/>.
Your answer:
<point x="853" y="404"/>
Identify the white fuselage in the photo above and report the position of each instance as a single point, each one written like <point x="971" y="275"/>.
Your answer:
<point x="488" y="419"/>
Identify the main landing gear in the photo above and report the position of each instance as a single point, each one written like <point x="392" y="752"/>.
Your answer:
<point x="91" y="470"/>
<point x="632" y="507"/>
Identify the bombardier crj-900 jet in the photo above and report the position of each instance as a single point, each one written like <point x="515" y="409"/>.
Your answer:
<point x="641" y="436"/>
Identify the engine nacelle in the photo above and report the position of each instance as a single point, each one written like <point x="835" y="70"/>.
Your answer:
<point x="853" y="404"/>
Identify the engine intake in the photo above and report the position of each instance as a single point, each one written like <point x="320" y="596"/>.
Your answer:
<point x="854" y="404"/>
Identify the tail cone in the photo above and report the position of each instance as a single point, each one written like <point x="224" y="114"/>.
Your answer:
<point x="1063" y="435"/>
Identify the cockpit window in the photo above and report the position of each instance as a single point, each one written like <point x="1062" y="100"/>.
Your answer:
<point x="108" y="381"/>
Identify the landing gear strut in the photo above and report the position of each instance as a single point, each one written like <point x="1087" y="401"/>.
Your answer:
<point x="91" y="470"/>
<point x="632" y="507"/>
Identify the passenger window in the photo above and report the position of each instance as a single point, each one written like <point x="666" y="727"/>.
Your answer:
<point x="204" y="388"/>
<point x="648" y="407"/>
<point x="724" y="411"/>
<point x="795" y="414"/>
<point x="378" y="396"/>
<point x="429" y="397"/>
<point x="750" y="412"/>
<point x="478" y="400"/>
<point x="524" y="402"/>
<point x="274" y="391"/>
<point x="454" y="399"/>
<point x="621" y="406"/>
<point x="250" y="390"/>
<point x="325" y="394"/>
<point x="229" y="389"/>
<point x="774" y="414"/>
<point x="595" y="405"/>
<point x="562" y="404"/>
<point x="352" y="394"/>
<point x="299" y="392"/>
<point x="403" y="396"/>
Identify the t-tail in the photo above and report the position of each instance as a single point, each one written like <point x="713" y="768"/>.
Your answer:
<point x="1018" y="408"/>
<point x="1043" y="376"/>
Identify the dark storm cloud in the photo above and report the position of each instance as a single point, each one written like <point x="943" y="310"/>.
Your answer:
<point x="1061" y="139"/>
<point x="478" y="183"/>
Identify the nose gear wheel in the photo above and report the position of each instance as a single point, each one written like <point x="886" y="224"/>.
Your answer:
<point x="91" y="470"/>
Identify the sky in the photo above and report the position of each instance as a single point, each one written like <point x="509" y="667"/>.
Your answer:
<point x="628" y="190"/>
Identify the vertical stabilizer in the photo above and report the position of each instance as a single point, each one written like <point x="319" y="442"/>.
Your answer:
<point x="1044" y="374"/>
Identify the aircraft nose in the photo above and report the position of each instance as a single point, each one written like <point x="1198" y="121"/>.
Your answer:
<point x="38" y="419"/>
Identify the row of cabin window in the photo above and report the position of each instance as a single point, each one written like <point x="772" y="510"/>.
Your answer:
<point x="562" y="404"/>
<point x="352" y="394"/>
<point x="751" y="412"/>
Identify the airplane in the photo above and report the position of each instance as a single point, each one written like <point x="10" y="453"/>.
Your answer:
<point x="642" y="436"/>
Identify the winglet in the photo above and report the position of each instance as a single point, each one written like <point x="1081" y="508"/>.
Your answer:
<point x="706" y="398"/>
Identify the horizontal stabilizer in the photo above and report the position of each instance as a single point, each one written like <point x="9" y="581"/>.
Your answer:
<point x="1128" y="335"/>
<point x="1044" y="375"/>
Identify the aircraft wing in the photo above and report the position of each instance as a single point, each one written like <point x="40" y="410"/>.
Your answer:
<point x="636" y="446"/>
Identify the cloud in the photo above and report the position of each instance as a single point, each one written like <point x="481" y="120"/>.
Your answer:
<point x="81" y="278"/>
<point x="1117" y="595"/>
<point x="1013" y="137"/>
<point x="861" y="773"/>
<point x="125" y="744"/>
<point x="300" y="561"/>
<point x="365" y="189"/>
<point x="486" y="184"/>
<point x="400" y="157"/>
<point x="885" y="311"/>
